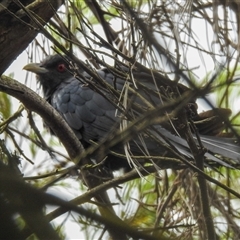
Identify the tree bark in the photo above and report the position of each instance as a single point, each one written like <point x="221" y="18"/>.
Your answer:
<point x="18" y="25"/>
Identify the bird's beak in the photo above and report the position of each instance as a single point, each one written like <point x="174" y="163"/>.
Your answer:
<point x="35" y="68"/>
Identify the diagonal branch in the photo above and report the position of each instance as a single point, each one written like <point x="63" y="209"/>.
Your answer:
<point x="17" y="30"/>
<point x="35" y="103"/>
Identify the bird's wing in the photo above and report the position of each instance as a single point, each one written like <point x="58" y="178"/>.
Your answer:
<point x="88" y="113"/>
<point x="91" y="116"/>
<point x="215" y="146"/>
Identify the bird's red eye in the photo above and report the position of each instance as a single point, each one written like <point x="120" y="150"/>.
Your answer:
<point x="61" y="67"/>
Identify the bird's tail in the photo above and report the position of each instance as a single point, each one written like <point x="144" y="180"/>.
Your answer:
<point x="227" y="148"/>
<point x="223" y="151"/>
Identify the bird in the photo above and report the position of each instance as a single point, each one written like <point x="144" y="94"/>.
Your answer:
<point x="94" y="107"/>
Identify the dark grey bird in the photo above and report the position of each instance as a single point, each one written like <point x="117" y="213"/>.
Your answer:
<point x="90" y="105"/>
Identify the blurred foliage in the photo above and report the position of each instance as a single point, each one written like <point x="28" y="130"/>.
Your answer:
<point x="5" y="105"/>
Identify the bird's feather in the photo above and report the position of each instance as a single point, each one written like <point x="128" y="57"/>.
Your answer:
<point x="90" y="112"/>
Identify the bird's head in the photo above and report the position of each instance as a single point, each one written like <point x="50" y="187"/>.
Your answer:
<point x="50" y="72"/>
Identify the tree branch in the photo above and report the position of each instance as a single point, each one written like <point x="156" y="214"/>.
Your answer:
<point x="34" y="102"/>
<point x="17" y="30"/>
